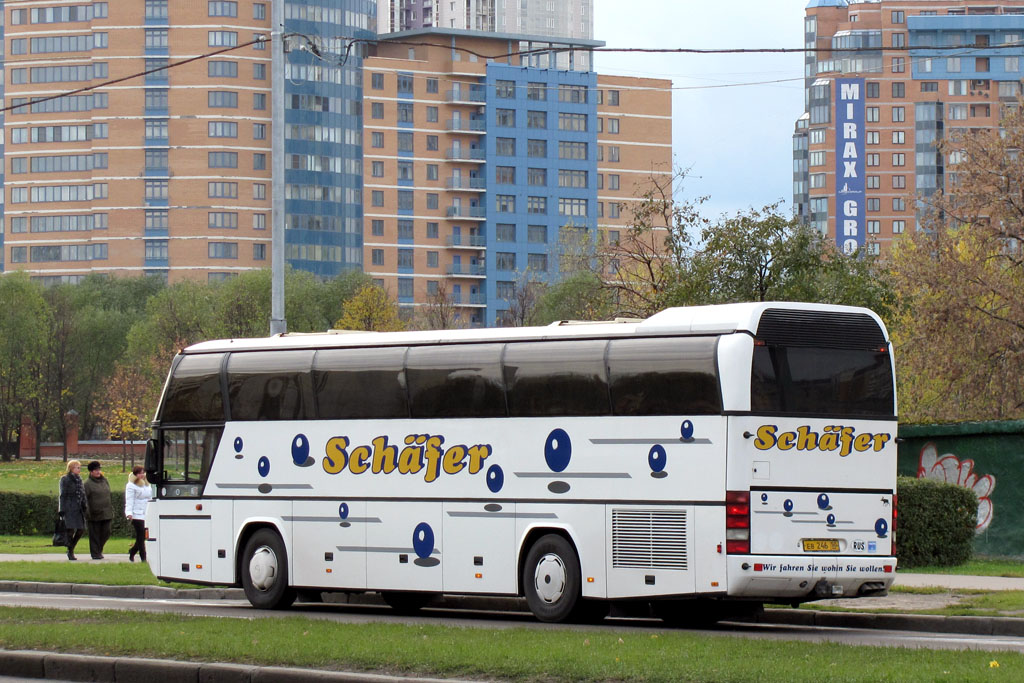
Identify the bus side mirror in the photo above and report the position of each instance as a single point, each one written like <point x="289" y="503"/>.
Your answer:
<point x="153" y="471"/>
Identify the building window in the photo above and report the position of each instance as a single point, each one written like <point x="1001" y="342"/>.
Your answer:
<point x="537" y="149"/>
<point x="613" y="209"/>
<point x="259" y="101"/>
<point x="405" y="200"/>
<point x="377" y="228"/>
<point x="874" y="227"/>
<point x="259" y="11"/>
<point x="155" y="38"/>
<point x="575" y="94"/>
<point x="871" y="137"/>
<point x="873" y="182"/>
<point x="219" y="129"/>
<point x="981" y="64"/>
<point x="899" y="204"/>
<point x="218" y="159"/>
<point x="613" y="98"/>
<point x="221" y="220"/>
<point x="537" y="234"/>
<point x="899" y="114"/>
<point x="432" y="200"/>
<point x="259" y="221"/>
<point x="536" y="91"/>
<point x="871" y="114"/>
<point x="929" y="86"/>
<point x="223" y="250"/>
<point x="377" y="81"/>
<point x="405" y="84"/>
<point x="377" y="197"/>
<point x="222" y="38"/>
<point x="156" y="98"/>
<point x="505" y="89"/>
<point x="376" y="139"/>
<point x="871" y="89"/>
<point x="897" y="16"/>
<point x="899" y="65"/>
<point x="536" y="177"/>
<point x="259" y="161"/>
<point x="613" y="181"/>
<point x="537" y="205"/>
<point x="156" y="189"/>
<point x="898" y="227"/>
<point x="571" y="178"/>
<point x="537" y="263"/>
<point x="953" y="65"/>
<point x="433" y="230"/>
<point x="899" y="90"/>
<point x="505" y="203"/>
<point x="572" y="150"/>
<point x="505" y="232"/>
<point x="259" y="190"/>
<point x="536" y="119"/>
<point x="431" y="114"/>
<point x="222" y="99"/>
<point x="899" y="159"/>
<point x="377" y="169"/>
<point x="899" y="182"/>
<point x="504" y="260"/>
<point x="156" y="250"/>
<point x="405" y="142"/>
<point x="505" y="175"/>
<point x="223" y="9"/>
<point x="405" y="258"/>
<point x="874" y="159"/>
<point x="506" y="118"/>
<point x="431" y="143"/>
<point x="505" y="147"/>
<point x="899" y="40"/>
<point x="404" y="111"/>
<point x="572" y="207"/>
<point x="431" y="172"/>
<point x="572" y="122"/>
<point x="219" y="68"/>
<point x="222" y="190"/>
<point x="259" y="252"/>
<point x="874" y="204"/>
<point x="431" y="85"/>
<point x="432" y="259"/>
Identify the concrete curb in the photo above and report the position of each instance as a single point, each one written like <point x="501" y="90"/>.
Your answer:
<point x="77" y="667"/>
<point x="928" y="623"/>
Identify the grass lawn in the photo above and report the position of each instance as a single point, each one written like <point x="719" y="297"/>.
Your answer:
<point x="39" y="545"/>
<point x="520" y="654"/>
<point x="29" y="476"/>
<point x="83" y="571"/>
<point x="979" y="566"/>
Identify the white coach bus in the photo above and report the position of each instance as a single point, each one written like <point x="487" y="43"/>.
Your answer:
<point x="707" y="455"/>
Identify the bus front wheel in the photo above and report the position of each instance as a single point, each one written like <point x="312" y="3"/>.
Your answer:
<point x="551" y="579"/>
<point x="265" y="571"/>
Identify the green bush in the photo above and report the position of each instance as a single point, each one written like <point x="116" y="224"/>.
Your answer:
<point x="936" y="521"/>
<point x="32" y="514"/>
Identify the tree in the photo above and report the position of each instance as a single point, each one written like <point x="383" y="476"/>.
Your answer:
<point x="22" y="337"/>
<point x="441" y="311"/>
<point x="127" y="402"/>
<point x="579" y="296"/>
<point x="522" y="301"/>
<point x="960" y="328"/>
<point x="370" y="309"/>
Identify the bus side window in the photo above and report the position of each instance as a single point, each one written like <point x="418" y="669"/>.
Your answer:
<point x="455" y="381"/>
<point x="270" y="385"/>
<point x="174" y="449"/>
<point x="670" y="376"/>
<point x="360" y="383"/>
<point x="193" y="393"/>
<point x="556" y="378"/>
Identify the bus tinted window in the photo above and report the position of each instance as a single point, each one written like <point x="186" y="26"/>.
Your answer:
<point x="455" y="381"/>
<point x="188" y="454"/>
<point x="671" y="376"/>
<point x="360" y="383"/>
<point x="270" y="385"/>
<point x="556" y="378"/>
<point x="193" y="393"/>
<point x="815" y="381"/>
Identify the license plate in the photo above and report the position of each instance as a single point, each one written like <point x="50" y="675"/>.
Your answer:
<point x="821" y="545"/>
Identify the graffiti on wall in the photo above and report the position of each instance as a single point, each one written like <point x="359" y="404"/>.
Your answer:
<point x="952" y="470"/>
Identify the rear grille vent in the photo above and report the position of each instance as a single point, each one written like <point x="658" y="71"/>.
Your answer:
<point x="821" y="329"/>
<point x="649" y="539"/>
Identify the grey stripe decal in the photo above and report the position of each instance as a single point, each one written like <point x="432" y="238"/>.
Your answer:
<point x="577" y="475"/>
<point x="368" y="520"/>
<point x="256" y="486"/>
<point x="504" y="515"/>
<point x="664" y="442"/>
<point x="358" y="549"/>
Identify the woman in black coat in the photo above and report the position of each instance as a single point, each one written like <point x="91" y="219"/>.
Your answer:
<point x="73" y="505"/>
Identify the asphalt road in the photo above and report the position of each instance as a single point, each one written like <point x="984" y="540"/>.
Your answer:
<point x="482" y="619"/>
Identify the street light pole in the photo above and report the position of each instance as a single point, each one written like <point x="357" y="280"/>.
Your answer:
<point x="278" y="325"/>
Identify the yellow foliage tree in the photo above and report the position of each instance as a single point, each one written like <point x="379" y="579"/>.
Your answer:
<point x="371" y="309"/>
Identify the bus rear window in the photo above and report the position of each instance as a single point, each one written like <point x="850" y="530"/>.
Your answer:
<point x="802" y="380"/>
<point x="671" y="376"/>
<point x="193" y="394"/>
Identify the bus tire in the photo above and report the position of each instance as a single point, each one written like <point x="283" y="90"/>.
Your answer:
<point x="265" y="571"/>
<point x="551" y="579"/>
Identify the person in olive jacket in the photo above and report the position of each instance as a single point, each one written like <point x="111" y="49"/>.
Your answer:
<point x="73" y="505"/>
<point x="101" y="513"/>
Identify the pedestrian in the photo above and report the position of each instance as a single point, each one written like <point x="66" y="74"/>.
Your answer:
<point x="101" y="512"/>
<point x="137" y="495"/>
<point x="73" y="505"/>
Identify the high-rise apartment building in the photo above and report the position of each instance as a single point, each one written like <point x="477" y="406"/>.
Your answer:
<point x="888" y="80"/>
<point x="473" y="167"/>
<point x="565" y="19"/>
<point x="169" y="173"/>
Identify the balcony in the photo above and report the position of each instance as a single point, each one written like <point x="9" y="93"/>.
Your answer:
<point x="466" y="270"/>
<point x="470" y="95"/>
<point x="464" y="183"/>
<point x="471" y="300"/>
<point x="466" y="126"/>
<point x="474" y="241"/>
<point x="463" y="154"/>
<point x="466" y="212"/>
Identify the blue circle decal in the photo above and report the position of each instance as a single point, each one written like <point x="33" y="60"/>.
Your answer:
<point x="300" y="449"/>
<point x="831" y="519"/>
<point x="263" y="466"/>
<point x="423" y="540"/>
<point x="823" y="501"/>
<point x="657" y="458"/>
<point x="686" y="430"/>
<point x="495" y="478"/>
<point x="881" y="527"/>
<point x="343" y="510"/>
<point x="238" y="444"/>
<point x="557" y="450"/>
<point x="787" y="505"/>
<point x="764" y="497"/>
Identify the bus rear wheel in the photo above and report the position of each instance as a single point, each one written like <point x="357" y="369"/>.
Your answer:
<point x="265" y="571"/>
<point x="551" y="579"/>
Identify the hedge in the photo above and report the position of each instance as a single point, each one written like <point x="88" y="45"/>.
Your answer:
<point x="28" y="514"/>
<point x="935" y="523"/>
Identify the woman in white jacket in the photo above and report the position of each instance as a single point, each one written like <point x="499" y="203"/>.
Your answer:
<point x="137" y="494"/>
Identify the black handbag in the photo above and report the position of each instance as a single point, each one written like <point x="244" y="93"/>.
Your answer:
<point x="60" y="531"/>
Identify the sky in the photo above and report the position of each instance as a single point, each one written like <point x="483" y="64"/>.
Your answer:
<point x="736" y="141"/>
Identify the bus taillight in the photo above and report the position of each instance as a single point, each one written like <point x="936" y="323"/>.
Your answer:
<point x="737" y="522"/>
<point x="893" y="531"/>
